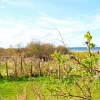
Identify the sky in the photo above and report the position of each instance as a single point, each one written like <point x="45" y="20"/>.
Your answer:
<point x="22" y="21"/>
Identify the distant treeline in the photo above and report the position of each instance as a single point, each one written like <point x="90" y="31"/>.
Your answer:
<point x="33" y="49"/>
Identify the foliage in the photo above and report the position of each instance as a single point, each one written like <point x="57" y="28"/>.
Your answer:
<point x="33" y="49"/>
<point x="59" y="58"/>
<point x="88" y="42"/>
<point x="42" y="88"/>
<point x="62" y="50"/>
<point x="88" y="37"/>
<point x="81" y="76"/>
<point x="79" y="82"/>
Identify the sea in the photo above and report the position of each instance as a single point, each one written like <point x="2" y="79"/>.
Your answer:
<point x="83" y="49"/>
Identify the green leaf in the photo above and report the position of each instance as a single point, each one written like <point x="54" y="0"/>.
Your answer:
<point x="70" y="80"/>
<point x="92" y="45"/>
<point x="69" y="70"/>
<point x="88" y="37"/>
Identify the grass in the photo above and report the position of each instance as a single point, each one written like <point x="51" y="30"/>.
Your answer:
<point x="36" y="88"/>
<point x="41" y="87"/>
<point x="33" y="89"/>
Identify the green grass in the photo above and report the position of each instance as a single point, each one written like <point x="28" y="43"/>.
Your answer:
<point x="34" y="88"/>
<point x="40" y="88"/>
<point x="37" y="89"/>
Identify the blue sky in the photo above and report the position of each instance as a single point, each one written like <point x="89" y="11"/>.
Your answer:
<point x="22" y="21"/>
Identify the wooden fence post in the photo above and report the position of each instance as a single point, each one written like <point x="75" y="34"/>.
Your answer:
<point x="31" y="68"/>
<point x="59" y="71"/>
<point x="40" y="71"/>
<point x="6" y="68"/>
<point x="15" y="65"/>
<point x="21" y="65"/>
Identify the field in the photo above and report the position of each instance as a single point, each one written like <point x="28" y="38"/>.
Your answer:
<point x="45" y="51"/>
<point x="36" y="80"/>
<point x="37" y="89"/>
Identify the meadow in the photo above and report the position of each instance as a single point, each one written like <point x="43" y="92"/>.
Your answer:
<point x="41" y="82"/>
<point x="71" y="76"/>
<point x="40" y="88"/>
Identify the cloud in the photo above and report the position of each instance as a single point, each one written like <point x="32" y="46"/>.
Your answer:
<point x="2" y="7"/>
<point x="13" y="32"/>
<point x="2" y="4"/>
<point x="73" y="29"/>
<point x="4" y="0"/>
<point x="20" y="3"/>
<point x="25" y="29"/>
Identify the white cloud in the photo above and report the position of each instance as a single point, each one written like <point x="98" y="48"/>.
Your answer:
<point x="13" y="32"/>
<point x="24" y="30"/>
<point x="2" y="7"/>
<point x="4" y="0"/>
<point x="21" y="3"/>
